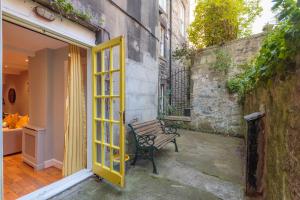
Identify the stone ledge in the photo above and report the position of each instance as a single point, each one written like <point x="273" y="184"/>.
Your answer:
<point x="178" y="118"/>
<point x="85" y="23"/>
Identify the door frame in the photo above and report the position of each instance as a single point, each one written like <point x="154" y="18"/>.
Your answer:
<point x="41" y="27"/>
<point x="1" y="132"/>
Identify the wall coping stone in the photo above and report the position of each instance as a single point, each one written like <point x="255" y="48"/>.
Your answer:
<point x="263" y="34"/>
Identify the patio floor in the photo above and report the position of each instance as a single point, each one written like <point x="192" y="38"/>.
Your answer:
<point x="207" y="167"/>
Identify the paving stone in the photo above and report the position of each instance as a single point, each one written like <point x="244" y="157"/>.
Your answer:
<point x="207" y="167"/>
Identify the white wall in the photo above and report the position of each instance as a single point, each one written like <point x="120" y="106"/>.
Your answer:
<point x="47" y="98"/>
<point x="47" y="77"/>
<point x="20" y="84"/>
<point x="56" y="86"/>
<point x="38" y="76"/>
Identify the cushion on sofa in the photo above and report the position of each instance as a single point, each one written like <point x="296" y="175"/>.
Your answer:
<point x="12" y="120"/>
<point x="22" y="121"/>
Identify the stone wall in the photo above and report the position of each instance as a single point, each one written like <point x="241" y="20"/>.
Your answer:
<point x="280" y="100"/>
<point x="213" y="108"/>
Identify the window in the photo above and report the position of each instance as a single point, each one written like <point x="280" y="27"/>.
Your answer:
<point x="162" y="41"/>
<point x="163" y="5"/>
<point x="182" y="18"/>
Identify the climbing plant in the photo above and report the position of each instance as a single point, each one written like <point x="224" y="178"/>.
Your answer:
<point x="184" y="53"/>
<point x="223" y="61"/>
<point x="277" y="54"/>
<point x="219" y="21"/>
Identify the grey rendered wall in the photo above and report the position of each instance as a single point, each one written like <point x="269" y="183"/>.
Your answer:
<point x="141" y="49"/>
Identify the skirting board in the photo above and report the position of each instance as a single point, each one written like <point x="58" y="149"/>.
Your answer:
<point x="32" y="164"/>
<point x="53" y="163"/>
<point x="58" y="186"/>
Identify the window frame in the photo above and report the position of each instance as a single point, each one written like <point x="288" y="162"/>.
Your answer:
<point x="163" y="4"/>
<point x="182" y="13"/>
<point x="162" y="42"/>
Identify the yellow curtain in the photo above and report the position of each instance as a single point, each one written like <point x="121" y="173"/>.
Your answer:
<point x="75" y="116"/>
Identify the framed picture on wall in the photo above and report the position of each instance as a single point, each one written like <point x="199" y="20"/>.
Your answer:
<point x="12" y="95"/>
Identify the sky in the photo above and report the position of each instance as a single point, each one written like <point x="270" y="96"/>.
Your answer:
<point x="266" y="17"/>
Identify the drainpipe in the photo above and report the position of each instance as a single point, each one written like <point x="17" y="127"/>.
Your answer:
<point x="99" y="38"/>
<point x="170" y="53"/>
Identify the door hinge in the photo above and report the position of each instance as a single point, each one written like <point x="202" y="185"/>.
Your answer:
<point x="123" y="117"/>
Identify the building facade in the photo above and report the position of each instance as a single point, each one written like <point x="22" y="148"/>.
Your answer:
<point x="153" y="30"/>
<point x="174" y="18"/>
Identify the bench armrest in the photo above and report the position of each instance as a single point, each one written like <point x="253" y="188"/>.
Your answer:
<point x="168" y="129"/>
<point x="146" y="140"/>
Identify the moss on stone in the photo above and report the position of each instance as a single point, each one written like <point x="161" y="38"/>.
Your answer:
<point x="280" y="100"/>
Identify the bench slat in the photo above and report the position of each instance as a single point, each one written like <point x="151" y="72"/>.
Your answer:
<point x="163" y="141"/>
<point x="150" y="129"/>
<point x="146" y="128"/>
<point x="139" y="125"/>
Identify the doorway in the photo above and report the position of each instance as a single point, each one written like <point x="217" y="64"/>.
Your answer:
<point x="35" y="74"/>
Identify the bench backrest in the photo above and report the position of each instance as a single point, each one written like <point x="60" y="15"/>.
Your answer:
<point x="153" y="127"/>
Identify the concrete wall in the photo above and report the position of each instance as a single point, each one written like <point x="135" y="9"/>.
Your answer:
<point x="279" y="99"/>
<point x="20" y="84"/>
<point x="213" y="108"/>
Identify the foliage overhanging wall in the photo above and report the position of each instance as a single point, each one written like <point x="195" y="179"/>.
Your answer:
<point x="280" y="102"/>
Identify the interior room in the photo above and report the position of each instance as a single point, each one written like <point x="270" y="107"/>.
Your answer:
<point x="35" y="90"/>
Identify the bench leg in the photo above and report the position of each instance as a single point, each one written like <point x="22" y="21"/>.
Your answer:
<point x="176" y="148"/>
<point x="152" y="160"/>
<point x="135" y="158"/>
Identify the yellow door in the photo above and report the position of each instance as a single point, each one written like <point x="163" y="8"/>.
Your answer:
<point x="108" y="110"/>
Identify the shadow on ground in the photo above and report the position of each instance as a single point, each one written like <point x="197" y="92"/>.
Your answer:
<point x="206" y="167"/>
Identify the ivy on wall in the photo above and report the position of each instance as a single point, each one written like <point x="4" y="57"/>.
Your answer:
<point x="277" y="54"/>
<point x="223" y="61"/>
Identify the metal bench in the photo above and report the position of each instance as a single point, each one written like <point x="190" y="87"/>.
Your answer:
<point x="150" y="137"/>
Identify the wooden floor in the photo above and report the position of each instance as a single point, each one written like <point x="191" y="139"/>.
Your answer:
<point x="21" y="179"/>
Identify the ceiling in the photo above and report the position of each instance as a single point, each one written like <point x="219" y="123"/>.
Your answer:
<point x="20" y="43"/>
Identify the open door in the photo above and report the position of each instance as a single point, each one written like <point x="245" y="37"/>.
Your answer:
<point x="108" y="110"/>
